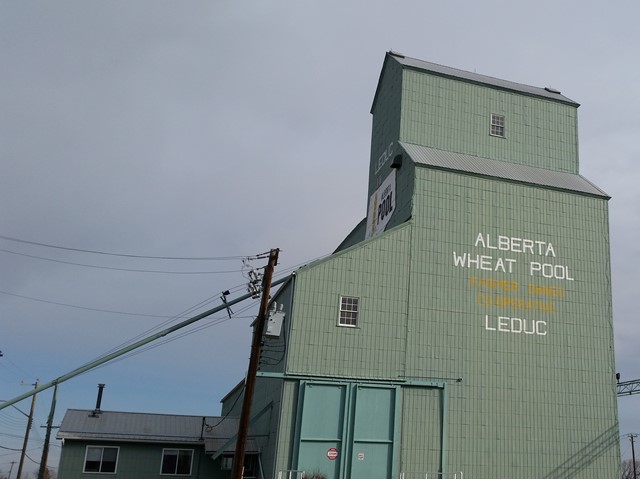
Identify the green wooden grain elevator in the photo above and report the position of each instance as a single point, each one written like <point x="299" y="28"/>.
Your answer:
<point x="464" y="327"/>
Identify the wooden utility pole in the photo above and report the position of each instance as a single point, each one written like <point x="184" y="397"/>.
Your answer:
<point x="633" y="454"/>
<point x="250" y="382"/>
<point x="26" y="435"/>
<point x="47" y="437"/>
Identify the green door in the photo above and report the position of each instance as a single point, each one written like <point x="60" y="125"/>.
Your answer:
<point x="347" y="430"/>
<point x="373" y="432"/>
<point x="322" y="429"/>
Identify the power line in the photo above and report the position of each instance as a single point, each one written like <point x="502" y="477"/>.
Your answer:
<point x="137" y="270"/>
<point x="12" y="449"/>
<point x="83" y="308"/>
<point x="183" y="314"/>
<point x="118" y="312"/>
<point x="112" y="254"/>
<point x="196" y="329"/>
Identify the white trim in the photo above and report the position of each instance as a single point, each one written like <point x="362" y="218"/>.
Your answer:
<point x="500" y="123"/>
<point x="356" y="311"/>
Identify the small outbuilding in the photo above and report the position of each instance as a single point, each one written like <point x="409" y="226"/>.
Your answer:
<point x="150" y="445"/>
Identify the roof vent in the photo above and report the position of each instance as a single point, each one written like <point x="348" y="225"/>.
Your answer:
<point x="552" y="90"/>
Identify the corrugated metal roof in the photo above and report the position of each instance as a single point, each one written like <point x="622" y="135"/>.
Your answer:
<point x="148" y="427"/>
<point x="482" y="79"/>
<point x="502" y="170"/>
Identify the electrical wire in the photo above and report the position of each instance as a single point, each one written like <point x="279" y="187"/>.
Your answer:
<point x="102" y="267"/>
<point x="170" y="318"/>
<point x="208" y="427"/>
<point x="155" y="328"/>
<point x="191" y="331"/>
<point x="12" y="449"/>
<point x="184" y="313"/>
<point x="127" y="255"/>
<point x="50" y="302"/>
<point x="196" y="329"/>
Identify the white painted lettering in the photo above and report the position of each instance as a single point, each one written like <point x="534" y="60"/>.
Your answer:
<point x="527" y="246"/>
<point x="547" y="270"/>
<point x="515" y="325"/>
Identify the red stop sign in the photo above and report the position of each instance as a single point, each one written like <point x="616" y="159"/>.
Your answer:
<point x="332" y="454"/>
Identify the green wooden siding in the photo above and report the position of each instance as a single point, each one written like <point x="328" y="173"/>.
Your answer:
<point x="375" y="272"/>
<point x="421" y="439"/>
<point x="386" y="123"/>
<point x="528" y="405"/>
<point x="454" y="115"/>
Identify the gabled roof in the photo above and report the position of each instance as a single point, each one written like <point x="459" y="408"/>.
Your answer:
<point x="501" y="170"/>
<point x="471" y="77"/>
<point x="213" y="432"/>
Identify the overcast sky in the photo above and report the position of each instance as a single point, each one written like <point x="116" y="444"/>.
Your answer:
<point x="224" y="129"/>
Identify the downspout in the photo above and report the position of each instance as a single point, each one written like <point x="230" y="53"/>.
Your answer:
<point x="444" y="428"/>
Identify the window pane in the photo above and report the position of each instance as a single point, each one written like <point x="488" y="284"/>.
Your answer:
<point x="109" y="458"/>
<point x="169" y="462"/>
<point x="92" y="462"/>
<point x="94" y="454"/>
<point x="184" y="462"/>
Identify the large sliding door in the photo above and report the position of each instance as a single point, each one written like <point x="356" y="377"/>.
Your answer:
<point x="373" y="432"/>
<point x="346" y="430"/>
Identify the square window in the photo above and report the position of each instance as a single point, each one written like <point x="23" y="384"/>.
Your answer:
<point x="348" y="312"/>
<point x="176" y="462"/>
<point x="250" y="464"/>
<point x="497" y="125"/>
<point x="100" y="459"/>
<point x="226" y="463"/>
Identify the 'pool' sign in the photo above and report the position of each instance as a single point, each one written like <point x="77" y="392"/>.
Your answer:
<point x="381" y="206"/>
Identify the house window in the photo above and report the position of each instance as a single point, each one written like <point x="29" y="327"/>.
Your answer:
<point x="226" y="463"/>
<point x="100" y="460"/>
<point x="250" y="464"/>
<point x="348" y="312"/>
<point x="497" y="125"/>
<point x="176" y="462"/>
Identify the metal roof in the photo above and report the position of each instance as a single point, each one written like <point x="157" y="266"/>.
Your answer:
<point x="442" y="70"/>
<point x="501" y="170"/>
<point x="149" y="428"/>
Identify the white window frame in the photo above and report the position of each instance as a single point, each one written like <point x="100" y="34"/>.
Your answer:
<point x="498" y="125"/>
<point x="164" y="450"/>
<point x="355" y="312"/>
<point x="100" y="472"/>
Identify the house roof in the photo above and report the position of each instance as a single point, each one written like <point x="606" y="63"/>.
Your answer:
<point x="213" y="432"/>
<point x="502" y="170"/>
<point x="471" y="77"/>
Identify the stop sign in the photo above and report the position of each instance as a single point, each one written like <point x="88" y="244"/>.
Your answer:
<point x="332" y="454"/>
